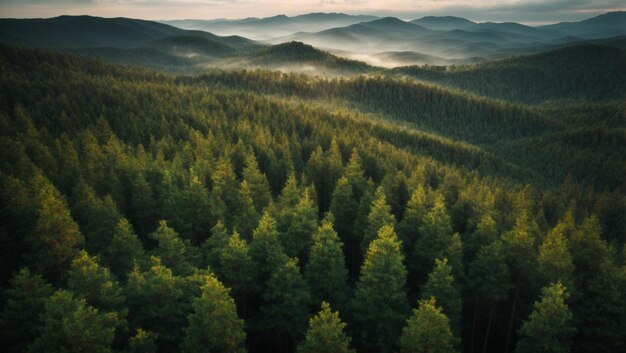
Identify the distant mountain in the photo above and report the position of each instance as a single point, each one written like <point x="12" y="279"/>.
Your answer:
<point x="585" y="72"/>
<point x="82" y="31"/>
<point x="275" y="26"/>
<point x="300" y="57"/>
<point x="610" y="24"/>
<point x="443" y="23"/>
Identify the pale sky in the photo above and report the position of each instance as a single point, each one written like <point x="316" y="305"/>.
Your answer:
<point x="526" y="11"/>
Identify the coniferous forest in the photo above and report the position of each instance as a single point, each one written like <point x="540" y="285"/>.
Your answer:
<point x="419" y="209"/>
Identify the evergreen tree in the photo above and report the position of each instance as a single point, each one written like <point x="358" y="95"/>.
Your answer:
<point x="237" y="270"/>
<point x="380" y="303"/>
<point x="265" y="250"/>
<point x="225" y="189"/>
<point x="427" y="331"/>
<point x="71" y="325"/>
<point x="246" y="218"/>
<point x="326" y="270"/>
<point x="155" y="302"/>
<point x="490" y="284"/>
<point x="286" y="306"/>
<point x="486" y="233"/>
<point x="414" y="212"/>
<point x="355" y="175"/>
<point x="88" y="280"/>
<point x="343" y="206"/>
<point x="257" y="182"/>
<point x="555" y="261"/>
<point x="142" y="342"/>
<point x="437" y="241"/>
<point x="296" y="227"/>
<point x="379" y="216"/>
<point x="549" y="327"/>
<point x="325" y="334"/>
<point x="171" y="249"/>
<point x="214" y="325"/>
<point x="213" y="246"/>
<point x="124" y="250"/>
<point x="441" y="284"/>
<point x="21" y="315"/>
<point x="57" y="235"/>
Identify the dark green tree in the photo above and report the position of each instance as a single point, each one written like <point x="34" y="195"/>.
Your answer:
<point x="94" y="283"/>
<point x="380" y="304"/>
<point x="124" y="250"/>
<point x="142" y="342"/>
<point x="427" y="331"/>
<point x="379" y="216"/>
<point x="442" y="285"/>
<point x="286" y="306"/>
<point x="257" y="182"/>
<point x="326" y="270"/>
<point x="71" y="325"/>
<point x="549" y="327"/>
<point x="24" y="303"/>
<point x="325" y="333"/>
<point x="214" y="325"/>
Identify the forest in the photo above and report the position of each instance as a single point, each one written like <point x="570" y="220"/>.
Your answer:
<point x="257" y="211"/>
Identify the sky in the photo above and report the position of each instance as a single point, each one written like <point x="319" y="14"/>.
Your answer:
<point x="524" y="11"/>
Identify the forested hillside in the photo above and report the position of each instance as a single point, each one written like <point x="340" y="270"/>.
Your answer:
<point x="264" y="212"/>
<point x="588" y="72"/>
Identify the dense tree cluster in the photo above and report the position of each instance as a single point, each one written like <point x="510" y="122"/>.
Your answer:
<point x="146" y="213"/>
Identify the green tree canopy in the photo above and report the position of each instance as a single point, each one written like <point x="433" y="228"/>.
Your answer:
<point x="326" y="333"/>
<point x="427" y="331"/>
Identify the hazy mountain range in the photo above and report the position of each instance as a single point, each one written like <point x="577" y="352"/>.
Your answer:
<point x="379" y="42"/>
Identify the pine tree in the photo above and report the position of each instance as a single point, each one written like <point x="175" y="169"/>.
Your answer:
<point x="354" y="173"/>
<point x="155" y="302"/>
<point x="549" y="327"/>
<point x="142" y="342"/>
<point x="436" y="240"/>
<point x="257" y="182"/>
<point x="57" y="235"/>
<point x="71" y="325"/>
<point x="124" y="250"/>
<point x="286" y="306"/>
<point x="414" y="212"/>
<point x="213" y="246"/>
<point x="380" y="303"/>
<point x="225" y="189"/>
<point x="427" y="331"/>
<point x="88" y="280"/>
<point x="343" y="206"/>
<point x="379" y="216"/>
<point x="326" y="270"/>
<point x="296" y="227"/>
<point x="325" y="333"/>
<point x="21" y="314"/>
<point x="237" y="270"/>
<point x="171" y="249"/>
<point x="555" y="261"/>
<point x="214" y="325"/>
<point x="265" y="249"/>
<point x="442" y="285"/>
<point x="247" y="218"/>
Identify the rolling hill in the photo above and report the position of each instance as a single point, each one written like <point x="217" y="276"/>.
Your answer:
<point x="590" y="72"/>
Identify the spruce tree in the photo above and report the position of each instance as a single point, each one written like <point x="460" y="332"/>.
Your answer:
<point x="442" y="285"/>
<point x="286" y="306"/>
<point x="257" y="182"/>
<point x="325" y="333"/>
<point x="344" y="208"/>
<point x="237" y="271"/>
<point x="71" y="325"/>
<point x="326" y="270"/>
<point x="124" y="250"/>
<point x="380" y="304"/>
<point x="94" y="283"/>
<point x="427" y="331"/>
<point x="379" y="216"/>
<point x="549" y="327"/>
<point x="24" y="304"/>
<point x="213" y="324"/>
<point x="296" y="226"/>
